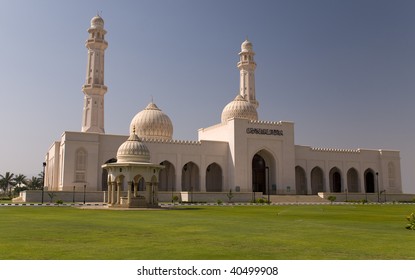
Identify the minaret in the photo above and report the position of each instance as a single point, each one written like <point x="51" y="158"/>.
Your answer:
<point x="246" y="66"/>
<point x="94" y="87"/>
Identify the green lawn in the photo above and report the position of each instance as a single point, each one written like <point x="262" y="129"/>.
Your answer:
<point x="240" y="232"/>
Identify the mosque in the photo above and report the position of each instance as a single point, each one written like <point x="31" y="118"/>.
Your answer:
<point x="241" y="154"/>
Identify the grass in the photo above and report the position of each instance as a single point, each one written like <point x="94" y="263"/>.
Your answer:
<point x="241" y="232"/>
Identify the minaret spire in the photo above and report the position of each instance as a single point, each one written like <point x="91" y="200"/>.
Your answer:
<point x="94" y="87"/>
<point x="246" y="66"/>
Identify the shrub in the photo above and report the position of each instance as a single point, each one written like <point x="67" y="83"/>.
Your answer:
<point x="230" y="195"/>
<point x="332" y="198"/>
<point x="411" y="220"/>
<point x="59" y="201"/>
<point x="261" y="200"/>
<point x="219" y="202"/>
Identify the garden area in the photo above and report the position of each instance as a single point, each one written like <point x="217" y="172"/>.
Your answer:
<point x="285" y="232"/>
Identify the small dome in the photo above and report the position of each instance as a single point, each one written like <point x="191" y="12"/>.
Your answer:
<point x="239" y="108"/>
<point x="246" y="46"/>
<point x="97" y="21"/>
<point x="133" y="150"/>
<point x="152" y="123"/>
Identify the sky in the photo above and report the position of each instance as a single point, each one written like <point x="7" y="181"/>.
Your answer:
<point x="342" y="71"/>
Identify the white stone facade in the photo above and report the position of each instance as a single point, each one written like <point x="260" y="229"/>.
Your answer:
<point x="242" y="153"/>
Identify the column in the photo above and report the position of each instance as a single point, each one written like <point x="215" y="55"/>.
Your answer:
<point x="149" y="190"/>
<point x="109" y="192"/>
<point x="114" y="185"/>
<point x="136" y="189"/>
<point x="118" y="192"/>
<point x="130" y="184"/>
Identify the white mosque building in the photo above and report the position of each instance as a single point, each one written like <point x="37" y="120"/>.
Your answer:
<point x="241" y="154"/>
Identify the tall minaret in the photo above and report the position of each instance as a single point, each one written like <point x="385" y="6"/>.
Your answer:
<point x="94" y="88"/>
<point x="247" y="67"/>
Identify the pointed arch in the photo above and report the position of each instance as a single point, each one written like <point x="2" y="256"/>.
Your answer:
<point x="139" y="182"/>
<point x="352" y="180"/>
<point x="300" y="180"/>
<point x="213" y="178"/>
<point x="263" y="171"/>
<point x="167" y="177"/>
<point x="190" y="177"/>
<point x="335" y="180"/>
<point x="369" y="181"/>
<point x="317" y="180"/>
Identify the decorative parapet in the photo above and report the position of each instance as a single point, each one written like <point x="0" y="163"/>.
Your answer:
<point x="350" y="151"/>
<point x="266" y="122"/>
<point x="180" y="142"/>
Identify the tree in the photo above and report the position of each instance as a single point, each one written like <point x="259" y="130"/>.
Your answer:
<point x="20" y="180"/>
<point x="6" y="181"/>
<point x="41" y="176"/>
<point x="34" y="183"/>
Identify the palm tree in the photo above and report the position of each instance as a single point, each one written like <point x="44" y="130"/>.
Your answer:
<point x="41" y="176"/>
<point x="34" y="183"/>
<point x="6" y="181"/>
<point x="20" y="180"/>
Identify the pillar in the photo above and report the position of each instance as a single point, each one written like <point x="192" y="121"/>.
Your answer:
<point x="118" y="192"/>
<point x="114" y="185"/>
<point x="130" y="184"/>
<point x="109" y="191"/>
<point x="149" y="190"/>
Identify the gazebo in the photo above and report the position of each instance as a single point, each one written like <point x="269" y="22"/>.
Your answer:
<point x="133" y="179"/>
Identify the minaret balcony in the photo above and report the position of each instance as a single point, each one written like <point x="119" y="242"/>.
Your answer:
<point x="96" y="43"/>
<point x="94" y="86"/>
<point x="246" y="63"/>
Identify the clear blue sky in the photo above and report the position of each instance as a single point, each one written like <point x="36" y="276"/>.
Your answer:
<point x="343" y="71"/>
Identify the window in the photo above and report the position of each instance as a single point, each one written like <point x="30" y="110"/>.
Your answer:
<point x="80" y="165"/>
<point x="391" y="174"/>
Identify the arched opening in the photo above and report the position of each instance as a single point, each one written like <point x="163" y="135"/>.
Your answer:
<point x="167" y="177"/>
<point x="369" y="181"/>
<point x="213" y="178"/>
<point x="104" y="180"/>
<point x="81" y="156"/>
<point x="300" y="180"/>
<point x="317" y="180"/>
<point x="352" y="180"/>
<point x="263" y="172"/>
<point x="335" y="180"/>
<point x="139" y="183"/>
<point x="190" y="177"/>
<point x="258" y="174"/>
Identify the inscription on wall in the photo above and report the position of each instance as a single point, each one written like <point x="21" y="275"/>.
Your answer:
<point x="264" y="131"/>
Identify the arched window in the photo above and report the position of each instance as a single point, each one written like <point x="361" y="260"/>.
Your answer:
<point x="213" y="178"/>
<point x="167" y="177"/>
<point x="352" y="180"/>
<point x="300" y="180"/>
<point x="391" y="174"/>
<point x="80" y="165"/>
<point x="335" y="180"/>
<point x="317" y="180"/>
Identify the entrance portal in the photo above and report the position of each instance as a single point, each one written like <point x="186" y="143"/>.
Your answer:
<point x="258" y="174"/>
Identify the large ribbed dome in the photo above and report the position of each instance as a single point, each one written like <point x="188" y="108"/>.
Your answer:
<point x="133" y="150"/>
<point x="239" y="108"/>
<point x="152" y="123"/>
